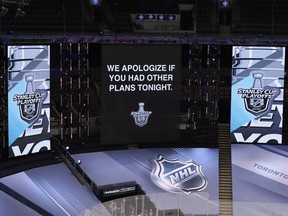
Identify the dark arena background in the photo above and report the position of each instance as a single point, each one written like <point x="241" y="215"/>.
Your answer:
<point x="141" y="107"/>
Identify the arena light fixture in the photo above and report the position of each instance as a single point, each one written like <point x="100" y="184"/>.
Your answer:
<point x="4" y="11"/>
<point x="17" y="2"/>
<point x="20" y="13"/>
<point x="95" y="2"/>
<point x="225" y="3"/>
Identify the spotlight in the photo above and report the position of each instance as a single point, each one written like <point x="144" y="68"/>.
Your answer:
<point x="225" y="3"/>
<point x="78" y="162"/>
<point x="171" y="17"/>
<point x="4" y="11"/>
<point x="95" y="2"/>
<point x="67" y="148"/>
<point x="150" y="17"/>
<point x="140" y="17"/>
<point x="160" y="17"/>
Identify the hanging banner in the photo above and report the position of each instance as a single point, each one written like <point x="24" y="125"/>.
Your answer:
<point x="28" y="99"/>
<point x="257" y="94"/>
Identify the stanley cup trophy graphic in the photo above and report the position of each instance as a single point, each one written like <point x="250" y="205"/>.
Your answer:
<point x="29" y="110"/>
<point x="257" y="103"/>
<point x="141" y="116"/>
<point x="29" y="87"/>
<point x="257" y="81"/>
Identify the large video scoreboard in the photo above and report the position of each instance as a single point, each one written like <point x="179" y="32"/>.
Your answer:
<point x="28" y="99"/>
<point x="256" y="131"/>
<point x="140" y="93"/>
<point x="257" y="94"/>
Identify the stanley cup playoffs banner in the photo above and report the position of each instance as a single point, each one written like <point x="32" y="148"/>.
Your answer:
<point x="140" y="93"/>
<point x="257" y="94"/>
<point x="28" y="99"/>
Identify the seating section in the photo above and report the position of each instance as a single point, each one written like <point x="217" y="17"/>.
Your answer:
<point x="53" y="17"/>
<point x="76" y="17"/>
<point x="257" y="17"/>
<point x="261" y="18"/>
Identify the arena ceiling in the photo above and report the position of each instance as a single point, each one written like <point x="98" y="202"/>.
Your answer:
<point x="233" y="20"/>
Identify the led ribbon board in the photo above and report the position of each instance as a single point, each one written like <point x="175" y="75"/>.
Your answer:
<point x="28" y="99"/>
<point x="257" y="94"/>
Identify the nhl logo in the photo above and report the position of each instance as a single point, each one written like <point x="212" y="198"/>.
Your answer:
<point x="29" y="111"/>
<point x="141" y="116"/>
<point x="178" y="176"/>
<point x="256" y="106"/>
